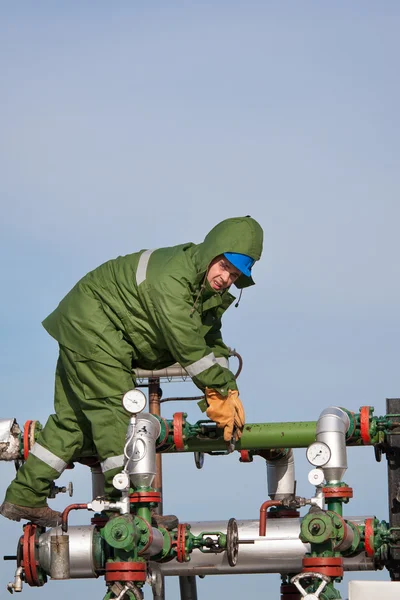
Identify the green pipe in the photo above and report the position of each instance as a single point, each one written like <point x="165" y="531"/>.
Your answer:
<point x="259" y="435"/>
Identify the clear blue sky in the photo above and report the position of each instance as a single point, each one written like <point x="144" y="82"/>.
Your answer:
<point x="134" y="125"/>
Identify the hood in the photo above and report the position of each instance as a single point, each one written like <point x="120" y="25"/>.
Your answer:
<point x="239" y="234"/>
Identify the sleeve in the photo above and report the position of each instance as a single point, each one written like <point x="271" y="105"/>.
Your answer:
<point x="182" y="330"/>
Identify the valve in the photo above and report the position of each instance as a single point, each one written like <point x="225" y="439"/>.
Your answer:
<point x="315" y="595"/>
<point x="16" y="585"/>
<point x="55" y="489"/>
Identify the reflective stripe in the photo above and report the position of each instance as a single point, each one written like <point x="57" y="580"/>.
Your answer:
<point x="48" y="457"/>
<point x="112" y="463"/>
<point x="142" y="266"/>
<point x="223" y="362"/>
<point x="201" y="365"/>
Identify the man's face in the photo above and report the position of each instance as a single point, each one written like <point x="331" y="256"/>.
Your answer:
<point x="221" y="273"/>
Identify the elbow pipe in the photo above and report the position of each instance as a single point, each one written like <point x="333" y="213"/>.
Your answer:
<point x="65" y="514"/>
<point x="332" y="427"/>
<point x="262" y="532"/>
<point x="281" y="476"/>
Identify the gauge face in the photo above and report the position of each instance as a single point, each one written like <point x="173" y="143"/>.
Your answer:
<point x="318" y="454"/>
<point x="134" y="401"/>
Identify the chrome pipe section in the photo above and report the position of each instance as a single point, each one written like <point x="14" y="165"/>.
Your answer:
<point x="169" y="372"/>
<point x="332" y="426"/>
<point x="280" y="551"/>
<point x="280" y="477"/>
<point x="82" y="550"/>
<point x="140" y="449"/>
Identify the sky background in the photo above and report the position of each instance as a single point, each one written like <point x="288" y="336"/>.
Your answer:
<point x="132" y="125"/>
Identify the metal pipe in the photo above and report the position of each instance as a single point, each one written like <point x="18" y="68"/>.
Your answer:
<point x="169" y="372"/>
<point x="188" y="587"/>
<point x="154" y="408"/>
<point x="258" y="436"/>
<point x="263" y="514"/>
<point x="280" y="476"/>
<point x="279" y="551"/>
<point x="65" y="514"/>
<point x="332" y="426"/>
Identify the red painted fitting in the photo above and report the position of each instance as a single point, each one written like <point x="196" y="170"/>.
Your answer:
<point x="125" y="571"/>
<point x="338" y="492"/>
<point x="263" y="514"/>
<point x="364" y="424"/>
<point x="369" y="537"/>
<point x="64" y="516"/>
<point x="27" y="430"/>
<point x="138" y="497"/>
<point x="178" y="431"/>
<point x="331" y="566"/>
<point x="29" y="563"/>
<point x="181" y="543"/>
<point x="245" y="456"/>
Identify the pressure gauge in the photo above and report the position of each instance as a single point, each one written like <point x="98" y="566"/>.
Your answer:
<point x="134" y="401"/>
<point x="318" y="454"/>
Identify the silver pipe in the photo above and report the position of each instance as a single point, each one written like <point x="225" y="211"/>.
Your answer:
<point x="82" y="546"/>
<point x="280" y="477"/>
<point x="140" y="449"/>
<point x="173" y="371"/>
<point x="332" y="426"/>
<point x="280" y="551"/>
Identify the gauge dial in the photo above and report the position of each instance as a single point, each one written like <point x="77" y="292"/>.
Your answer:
<point x="318" y="454"/>
<point x="134" y="401"/>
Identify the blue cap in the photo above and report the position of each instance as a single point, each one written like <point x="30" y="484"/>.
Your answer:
<point x="241" y="261"/>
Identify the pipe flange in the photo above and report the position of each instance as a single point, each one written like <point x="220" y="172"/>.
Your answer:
<point x="337" y="492"/>
<point x="138" y="497"/>
<point x="365" y="412"/>
<point x="181" y="555"/>
<point x="331" y="566"/>
<point x="125" y="571"/>
<point x="245" y="456"/>
<point x="30" y="555"/>
<point x="178" y="422"/>
<point x="369" y="537"/>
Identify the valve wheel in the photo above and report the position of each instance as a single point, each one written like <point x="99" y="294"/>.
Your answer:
<point x="232" y="542"/>
<point x="364" y="424"/>
<point x="178" y="431"/>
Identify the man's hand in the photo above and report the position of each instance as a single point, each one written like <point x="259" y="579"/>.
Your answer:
<point x="227" y="413"/>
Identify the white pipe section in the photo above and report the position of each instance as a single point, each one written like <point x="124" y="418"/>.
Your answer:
<point x="280" y="476"/>
<point x="332" y="426"/>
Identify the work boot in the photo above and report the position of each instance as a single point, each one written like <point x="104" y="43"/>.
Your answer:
<point x="43" y="516"/>
<point x="169" y="522"/>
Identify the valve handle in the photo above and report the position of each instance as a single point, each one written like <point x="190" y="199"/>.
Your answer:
<point x="315" y="595"/>
<point x="232" y="542"/>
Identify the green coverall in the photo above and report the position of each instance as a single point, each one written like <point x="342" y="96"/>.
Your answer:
<point x="149" y="309"/>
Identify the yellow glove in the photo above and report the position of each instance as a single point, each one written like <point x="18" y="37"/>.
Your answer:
<point x="227" y="413"/>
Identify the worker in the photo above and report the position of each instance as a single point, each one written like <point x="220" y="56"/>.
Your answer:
<point x="145" y="310"/>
